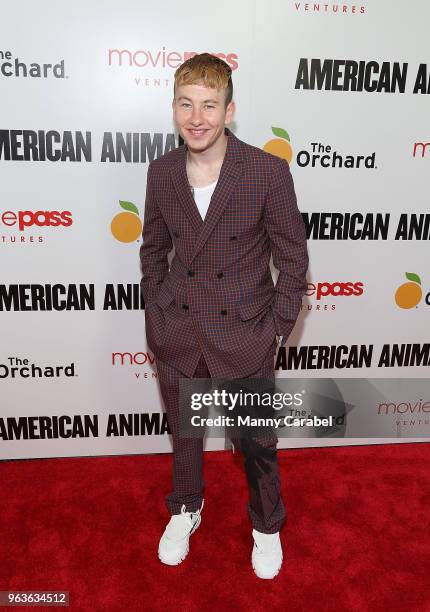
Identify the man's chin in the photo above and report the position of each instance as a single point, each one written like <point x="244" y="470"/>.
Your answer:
<point x="197" y="146"/>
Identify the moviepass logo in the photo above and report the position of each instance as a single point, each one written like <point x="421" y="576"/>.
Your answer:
<point x="160" y="58"/>
<point x="20" y="221"/>
<point x="325" y="289"/>
<point x="39" y="218"/>
<point x="321" y="292"/>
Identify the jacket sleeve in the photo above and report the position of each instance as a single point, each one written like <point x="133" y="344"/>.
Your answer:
<point x="156" y="244"/>
<point x="287" y="234"/>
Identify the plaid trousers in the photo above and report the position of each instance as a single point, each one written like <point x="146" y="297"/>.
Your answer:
<point x="265" y="506"/>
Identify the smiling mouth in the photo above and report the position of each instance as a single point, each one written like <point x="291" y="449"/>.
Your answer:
<point x="197" y="132"/>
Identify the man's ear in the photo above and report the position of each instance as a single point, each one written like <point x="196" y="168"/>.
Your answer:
<point x="231" y="107"/>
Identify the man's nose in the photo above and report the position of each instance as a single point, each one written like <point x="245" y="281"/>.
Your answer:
<point x="196" y="116"/>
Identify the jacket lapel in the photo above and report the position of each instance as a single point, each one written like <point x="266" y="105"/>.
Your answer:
<point x="230" y="172"/>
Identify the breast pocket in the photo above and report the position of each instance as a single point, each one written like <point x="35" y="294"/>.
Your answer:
<point x="244" y="210"/>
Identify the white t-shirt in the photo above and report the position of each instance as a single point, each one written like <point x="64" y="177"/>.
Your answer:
<point x="202" y="197"/>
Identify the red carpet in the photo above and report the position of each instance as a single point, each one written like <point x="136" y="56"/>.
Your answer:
<point x="357" y="536"/>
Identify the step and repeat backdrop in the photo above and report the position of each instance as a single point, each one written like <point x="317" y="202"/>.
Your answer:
<point x="340" y="90"/>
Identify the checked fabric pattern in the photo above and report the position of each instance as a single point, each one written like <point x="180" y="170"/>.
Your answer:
<point x="218" y="298"/>
<point x="265" y="506"/>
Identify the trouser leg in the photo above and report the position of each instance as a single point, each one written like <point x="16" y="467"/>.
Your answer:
<point x="187" y="469"/>
<point x="265" y="506"/>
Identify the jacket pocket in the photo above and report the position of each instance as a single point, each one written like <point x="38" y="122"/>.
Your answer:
<point x="164" y="297"/>
<point x="252" y="309"/>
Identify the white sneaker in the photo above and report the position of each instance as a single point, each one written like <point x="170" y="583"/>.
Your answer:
<point x="266" y="554"/>
<point x="174" y="543"/>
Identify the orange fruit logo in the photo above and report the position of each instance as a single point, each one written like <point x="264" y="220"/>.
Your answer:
<point x="409" y="294"/>
<point x="279" y="146"/>
<point x="126" y="226"/>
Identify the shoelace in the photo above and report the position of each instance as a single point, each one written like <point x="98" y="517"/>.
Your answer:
<point x="180" y="524"/>
<point x="189" y="514"/>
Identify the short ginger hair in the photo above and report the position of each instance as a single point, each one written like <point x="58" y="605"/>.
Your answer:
<point x="207" y="70"/>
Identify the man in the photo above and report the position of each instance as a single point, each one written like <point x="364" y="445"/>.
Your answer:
<point x="225" y="206"/>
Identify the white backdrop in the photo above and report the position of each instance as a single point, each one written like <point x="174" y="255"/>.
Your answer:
<point x="113" y="80"/>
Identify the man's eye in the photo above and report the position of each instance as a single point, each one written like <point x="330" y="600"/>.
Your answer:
<point x="207" y="106"/>
<point x="184" y="104"/>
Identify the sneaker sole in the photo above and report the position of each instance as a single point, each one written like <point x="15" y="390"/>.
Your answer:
<point x="172" y="563"/>
<point x="265" y="577"/>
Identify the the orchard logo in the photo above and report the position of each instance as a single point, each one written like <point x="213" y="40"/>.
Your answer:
<point x="18" y="67"/>
<point x="409" y="294"/>
<point x="126" y="226"/>
<point x="317" y="154"/>
<point x="16" y="368"/>
<point x="24" y="221"/>
<point x="280" y="145"/>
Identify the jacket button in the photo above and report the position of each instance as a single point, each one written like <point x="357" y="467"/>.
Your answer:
<point x="223" y="311"/>
<point x="233" y="237"/>
<point x="190" y="272"/>
<point x="176" y="235"/>
<point x="185" y="306"/>
<point x="220" y="275"/>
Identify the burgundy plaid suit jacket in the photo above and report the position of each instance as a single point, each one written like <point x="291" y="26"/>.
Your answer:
<point x="218" y="297"/>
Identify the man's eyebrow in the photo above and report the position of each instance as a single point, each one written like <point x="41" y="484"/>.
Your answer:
<point x="204" y="101"/>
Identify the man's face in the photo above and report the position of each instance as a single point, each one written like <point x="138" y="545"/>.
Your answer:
<point x="200" y="115"/>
